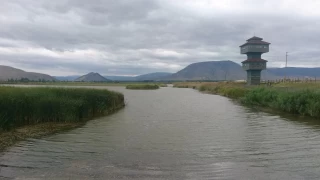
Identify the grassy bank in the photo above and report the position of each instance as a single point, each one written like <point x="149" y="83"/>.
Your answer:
<point x="142" y="86"/>
<point x="20" y="107"/>
<point x="300" y="99"/>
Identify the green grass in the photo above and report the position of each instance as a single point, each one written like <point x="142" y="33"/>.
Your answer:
<point x="27" y="106"/>
<point x="142" y="86"/>
<point x="303" y="102"/>
<point x="301" y="99"/>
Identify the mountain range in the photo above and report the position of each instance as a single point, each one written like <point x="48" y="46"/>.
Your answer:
<point x="229" y="70"/>
<point x="208" y="70"/>
<point x="144" y="77"/>
<point x="295" y="72"/>
<point x="216" y="70"/>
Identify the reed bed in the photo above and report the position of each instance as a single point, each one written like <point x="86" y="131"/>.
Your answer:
<point x="142" y="86"/>
<point x="304" y="102"/>
<point x="294" y="100"/>
<point x="28" y="106"/>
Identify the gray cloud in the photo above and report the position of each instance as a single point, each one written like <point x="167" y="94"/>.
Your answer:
<point x="130" y="37"/>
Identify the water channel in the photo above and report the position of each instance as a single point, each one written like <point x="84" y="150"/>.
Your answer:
<point x="173" y="134"/>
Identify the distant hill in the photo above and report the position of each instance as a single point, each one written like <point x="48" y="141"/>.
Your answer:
<point x="67" y="78"/>
<point x="121" y="78"/>
<point x="92" y="77"/>
<point x="214" y="70"/>
<point x="210" y="70"/>
<point x="113" y="78"/>
<point x="221" y="70"/>
<point x="152" y="76"/>
<point x="296" y="72"/>
<point x="143" y="77"/>
<point x="7" y="73"/>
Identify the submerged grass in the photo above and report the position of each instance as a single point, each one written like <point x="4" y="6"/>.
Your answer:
<point x="29" y="106"/>
<point x="8" y="138"/>
<point x="142" y="86"/>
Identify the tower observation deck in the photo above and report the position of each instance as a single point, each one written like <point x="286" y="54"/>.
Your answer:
<point x="254" y="48"/>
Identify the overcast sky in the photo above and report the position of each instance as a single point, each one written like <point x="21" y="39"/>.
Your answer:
<point x="133" y="37"/>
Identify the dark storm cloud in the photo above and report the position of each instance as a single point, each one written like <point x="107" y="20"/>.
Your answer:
<point x="141" y="36"/>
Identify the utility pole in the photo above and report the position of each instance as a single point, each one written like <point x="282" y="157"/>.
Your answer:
<point x="286" y="59"/>
<point x="285" y="70"/>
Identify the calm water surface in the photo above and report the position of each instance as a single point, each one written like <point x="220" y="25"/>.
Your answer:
<point x="173" y="134"/>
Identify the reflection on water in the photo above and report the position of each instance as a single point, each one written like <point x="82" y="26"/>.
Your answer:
<point x="173" y="134"/>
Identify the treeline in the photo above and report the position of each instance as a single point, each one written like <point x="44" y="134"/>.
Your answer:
<point x="27" y="106"/>
<point x="28" y="80"/>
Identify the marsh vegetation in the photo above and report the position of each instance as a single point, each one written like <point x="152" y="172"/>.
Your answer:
<point x="27" y="106"/>
<point x="294" y="98"/>
<point x="304" y="102"/>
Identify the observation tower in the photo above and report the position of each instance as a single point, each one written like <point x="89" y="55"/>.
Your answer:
<point x="254" y="48"/>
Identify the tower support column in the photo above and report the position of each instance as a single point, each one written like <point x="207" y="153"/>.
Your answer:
<point x="253" y="77"/>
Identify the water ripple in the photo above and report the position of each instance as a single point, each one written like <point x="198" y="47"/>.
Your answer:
<point x="173" y="134"/>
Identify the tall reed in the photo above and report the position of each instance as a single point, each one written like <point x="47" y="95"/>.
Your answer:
<point x="290" y="99"/>
<point x="25" y="106"/>
<point x="304" y="102"/>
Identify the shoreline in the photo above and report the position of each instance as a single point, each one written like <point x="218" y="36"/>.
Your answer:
<point x="12" y="137"/>
<point x="269" y="110"/>
<point x="296" y="99"/>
